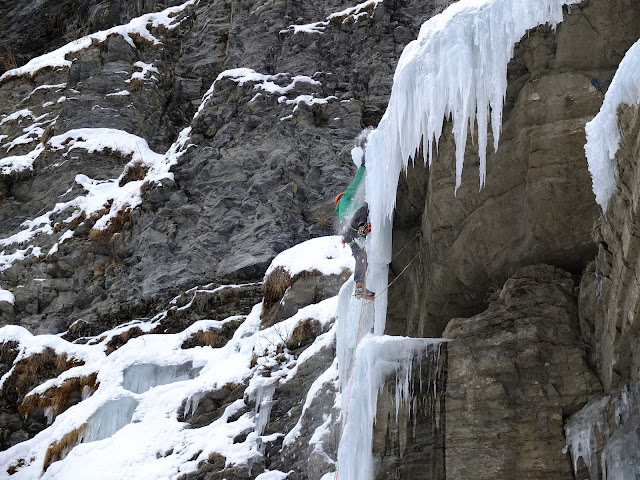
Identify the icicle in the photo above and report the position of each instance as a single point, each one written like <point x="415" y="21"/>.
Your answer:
<point x="192" y="403"/>
<point x="581" y="434"/>
<point x="109" y="418"/>
<point x="456" y="68"/>
<point x="263" y="397"/>
<point x="140" y="377"/>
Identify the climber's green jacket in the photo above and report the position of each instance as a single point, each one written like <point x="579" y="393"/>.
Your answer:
<point x="343" y="206"/>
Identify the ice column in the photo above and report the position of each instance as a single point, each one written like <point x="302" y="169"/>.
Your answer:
<point x="377" y="358"/>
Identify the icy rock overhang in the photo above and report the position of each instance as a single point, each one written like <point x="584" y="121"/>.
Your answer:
<point x="603" y="132"/>
<point x="457" y="68"/>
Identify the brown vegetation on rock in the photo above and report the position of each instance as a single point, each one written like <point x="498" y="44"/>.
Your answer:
<point x="304" y="333"/>
<point x="60" y="448"/>
<point x="215" y="337"/>
<point x="274" y="287"/>
<point x="136" y="171"/>
<point x="31" y="371"/>
<point x="115" y="225"/>
<point x="119" y="340"/>
<point x="60" y="397"/>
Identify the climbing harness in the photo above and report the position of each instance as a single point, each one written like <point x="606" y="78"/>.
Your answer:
<point x="601" y="87"/>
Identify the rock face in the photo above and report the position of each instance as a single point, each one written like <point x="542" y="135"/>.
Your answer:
<point x="537" y="205"/>
<point x="515" y="372"/>
<point x="259" y="178"/>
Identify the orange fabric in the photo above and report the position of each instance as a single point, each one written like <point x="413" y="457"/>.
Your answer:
<point x="337" y="199"/>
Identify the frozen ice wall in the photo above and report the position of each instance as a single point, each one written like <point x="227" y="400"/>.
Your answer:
<point x="109" y="418"/>
<point x="591" y="428"/>
<point x="140" y="377"/>
<point x="621" y="456"/>
<point x="584" y="430"/>
<point x="456" y="69"/>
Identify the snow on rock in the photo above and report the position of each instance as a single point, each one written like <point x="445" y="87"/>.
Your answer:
<point x="99" y="193"/>
<point x="354" y="13"/>
<point x="603" y="133"/>
<point x="131" y="426"/>
<point x="7" y="296"/>
<point x="19" y="163"/>
<point x="267" y="84"/>
<point x="139" y="26"/>
<point x="326" y="255"/>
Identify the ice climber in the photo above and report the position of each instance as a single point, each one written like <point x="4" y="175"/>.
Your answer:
<point x="353" y="214"/>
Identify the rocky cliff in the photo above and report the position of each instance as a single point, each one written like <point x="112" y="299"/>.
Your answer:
<point x="226" y="130"/>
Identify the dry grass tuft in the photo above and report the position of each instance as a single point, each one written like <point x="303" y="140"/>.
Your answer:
<point x="8" y="58"/>
<point x="134" y="172"/>
<point x="58" y="398"/>
<point x="212" y="338"/>
<point x="140" y="41"/>
<point x="304" y="333"/>
<point x="115" y="225"/>
<point x="215" y="337"/>
<point x="61" y="448"/>
<point x="14" y="468"/>
<point x="30" y="371"/>
<point x="135" y="84"/>
<point x="47" y="134"/>
<point x="9" y="349"/>
<point x="215" y="459"/>
<point x="119" y="340"/>
<point x="274" y="287"/>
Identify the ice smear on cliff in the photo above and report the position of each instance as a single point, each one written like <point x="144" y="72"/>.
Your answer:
<point x="456" y="68"/>
<point x="603" y="133"/>
<point x="583" y="430"/>
<point x="140" y="377"/>
<point x="621" y="456"/>
<point x="109" y="418"/>
<point x="377" y="358"/>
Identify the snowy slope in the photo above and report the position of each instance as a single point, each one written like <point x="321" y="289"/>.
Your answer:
<point x="131" y="421"/>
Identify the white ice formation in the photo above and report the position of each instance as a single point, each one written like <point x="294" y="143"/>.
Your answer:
<point x="603" y="132"/>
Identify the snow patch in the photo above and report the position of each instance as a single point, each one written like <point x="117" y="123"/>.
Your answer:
<point x="354" y="13"/>
<point x="7" y="296"/>
<point x="326" y="255"/>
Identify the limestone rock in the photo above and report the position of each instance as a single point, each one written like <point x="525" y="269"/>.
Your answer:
<point x="514" y="373"/>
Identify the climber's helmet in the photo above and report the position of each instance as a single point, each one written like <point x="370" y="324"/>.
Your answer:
<point x="337" y="199"/>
